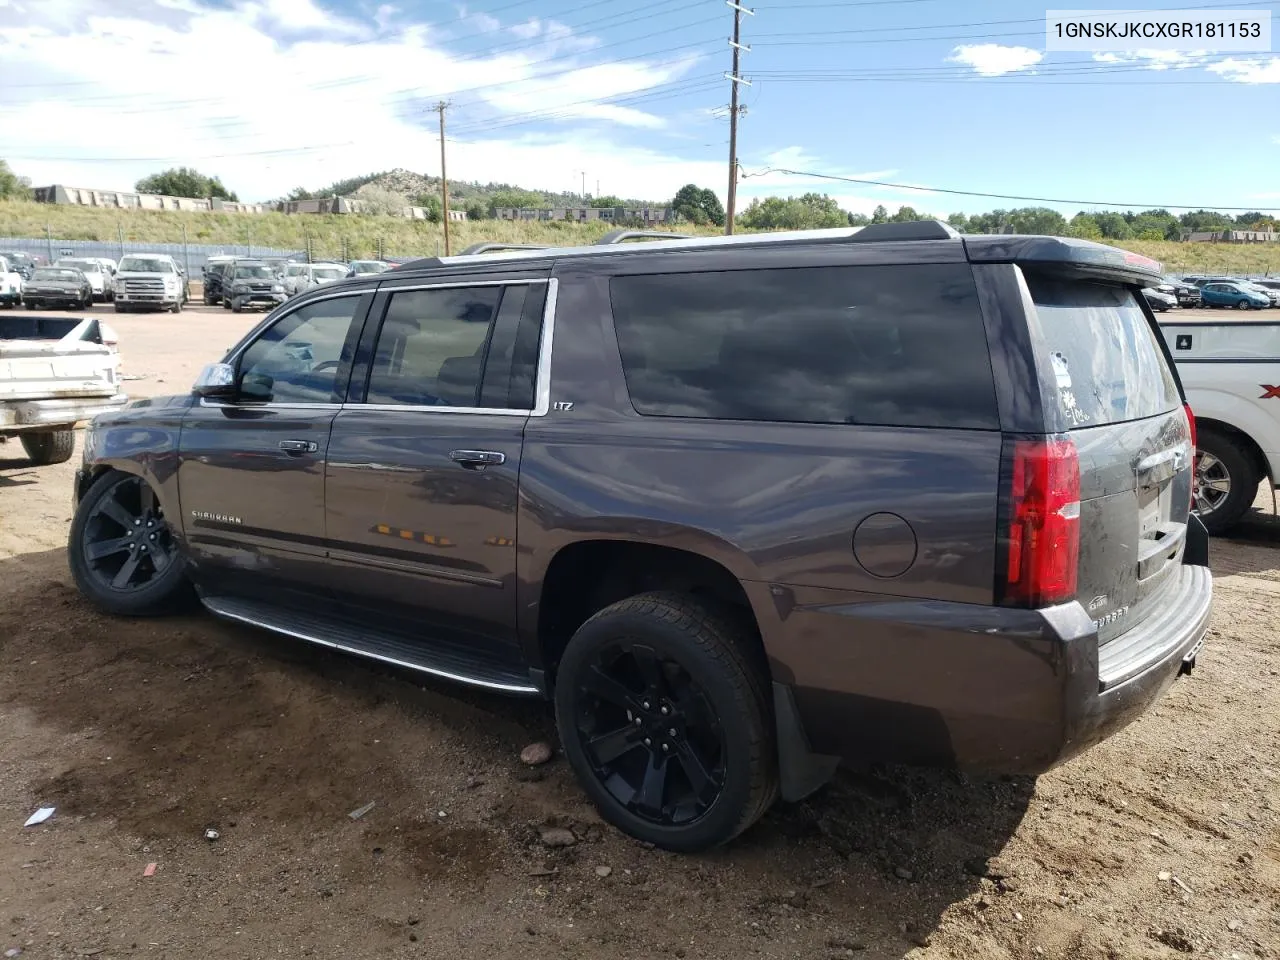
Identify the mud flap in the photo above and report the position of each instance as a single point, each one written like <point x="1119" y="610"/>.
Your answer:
<point x="800" y="771"/>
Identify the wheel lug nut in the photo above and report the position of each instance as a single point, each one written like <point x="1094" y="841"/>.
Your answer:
<point x="646" y="705"/>
<point x="666" y="747"/>
<point x="671" y="732"/>
<point x="137" y="523"/>
<point x="639" y="721"/>
<point x="665" y="711"/>
<point x="648" y="742"/>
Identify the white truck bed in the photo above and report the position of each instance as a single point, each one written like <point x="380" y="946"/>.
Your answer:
<point x="56" y="372"/>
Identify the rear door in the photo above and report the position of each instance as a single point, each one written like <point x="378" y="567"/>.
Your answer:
<point x="1114" y="392"/>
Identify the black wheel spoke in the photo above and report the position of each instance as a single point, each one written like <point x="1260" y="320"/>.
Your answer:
<point x="600" y="684"/>
<point x="112" y="509"/>
<point x="159" y="559"/>
<point x="106" y="548"/>
<point x="125" y="573"/>
<point x="649" y="798"/>
<point x="700" y="779"/>
<point x="650" y="669"/>
<point x="608" y="747"/>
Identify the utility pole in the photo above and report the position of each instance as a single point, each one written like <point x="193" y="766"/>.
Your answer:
<point x="440" y="108"/>
<point x="734" y="79"/>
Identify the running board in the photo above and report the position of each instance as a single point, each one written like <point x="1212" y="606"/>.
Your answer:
<point x="340" y="633"/>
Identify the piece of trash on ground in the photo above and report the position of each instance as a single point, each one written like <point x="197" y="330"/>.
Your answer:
<point x="211" y="834"/>
<point x="40" y="816"/>
<point x="151" y="870"/>
<point x="359" y="812"/>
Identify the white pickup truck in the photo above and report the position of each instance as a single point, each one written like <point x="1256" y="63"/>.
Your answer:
<point x="1231" y="373"/>
<point x="54" y="373"/>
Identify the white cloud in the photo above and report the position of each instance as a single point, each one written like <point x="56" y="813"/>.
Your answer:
<point x="1156" y="59"/>
<point x="994" y="59"/>
<point x="150" y="79"/>
<point x="1259" y="70"/>
<point x="527" y="30"/>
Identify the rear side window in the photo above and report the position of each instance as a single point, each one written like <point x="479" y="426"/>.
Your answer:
<point x="892" y="345"/>
<point x="1104" y="355"/>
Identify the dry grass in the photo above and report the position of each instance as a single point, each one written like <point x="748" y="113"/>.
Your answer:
<point x="358" y="236"/>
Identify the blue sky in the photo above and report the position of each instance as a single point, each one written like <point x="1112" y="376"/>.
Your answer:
<point x="271" y="94"/>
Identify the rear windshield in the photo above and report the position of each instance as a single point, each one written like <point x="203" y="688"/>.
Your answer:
<point x="1105" y="359"/>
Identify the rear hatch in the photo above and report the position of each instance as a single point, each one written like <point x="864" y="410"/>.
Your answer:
<point x="1124" y="412"/>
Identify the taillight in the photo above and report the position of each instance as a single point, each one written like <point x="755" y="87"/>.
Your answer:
<point x="1044" y="523"/>
<point x="1191" y="423"/>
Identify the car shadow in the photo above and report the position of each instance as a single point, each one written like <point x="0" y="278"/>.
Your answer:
<point x="25" y="478"/>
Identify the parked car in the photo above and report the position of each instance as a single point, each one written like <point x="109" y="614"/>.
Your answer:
<point x="10" y="284"/>
<point x="99" y="279"/>
<point x="301" y="277"/>
<point x="214" y="270"/>
<point x="279" y="264"/>
<point x="51" y="286"/>
<point x="250" y="283"/>
<point x="1186" y="293"/>
<point x="149" y="281"/>
<point x="1222" y="294"/>
<point x="23" y="263"/>
<point x="365" y="268"/>
<point x="741" y="508"/>
<point x="55" y="372"/>
<point x="1272" y="295"/>
<point x="1160" y="302"/>
<point x="1222" y="366"/>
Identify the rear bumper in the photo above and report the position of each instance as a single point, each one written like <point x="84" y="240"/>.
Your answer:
<point x="977" y="687"/>
<point x="19" y="415"/>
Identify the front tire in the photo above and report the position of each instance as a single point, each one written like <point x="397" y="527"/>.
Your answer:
<point x="1225" y="481"/>
<point x="1242" y="305"/>
<point x="44" y="449"/>
<point x="122" y="554"/>
<point x="664" y="713"/>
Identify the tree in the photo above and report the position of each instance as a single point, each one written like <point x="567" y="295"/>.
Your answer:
<point x="12" y="186"/>
<point x="430" y="202"/>
<point x="1200" y="221"/>
<point x="300" y="193"/>
<point x="1085" y="227"/>
<point x="1252" y="219"/>
<point x="959" y="221"/>
<point x="514" y="199"/>
<point x="859" y="220"/>
<point x="1113" y="226"/>
<point x="698" y="205"/>
<point x="381" y="201"/>
<point x="476" y="210"/>
<point x="811" y="211"/>
<point x="184" y="182"/>
<point x="605" y="202"/>
<point x="880" y="214"/>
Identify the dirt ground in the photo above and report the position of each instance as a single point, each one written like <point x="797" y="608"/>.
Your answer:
<point x="1161" y="842"/>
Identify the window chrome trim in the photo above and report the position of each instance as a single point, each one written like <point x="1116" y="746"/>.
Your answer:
<point x="206" y="402"/>
<point x="423" y="408"/>
<point x="461" y="284"/>
<point x="542" y="392"/>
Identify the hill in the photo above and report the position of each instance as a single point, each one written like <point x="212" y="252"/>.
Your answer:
<point x="360" y="235"/>
<point x="413" y="185"/>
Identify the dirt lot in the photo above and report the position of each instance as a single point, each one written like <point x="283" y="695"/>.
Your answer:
<point x="1163" y="841"/>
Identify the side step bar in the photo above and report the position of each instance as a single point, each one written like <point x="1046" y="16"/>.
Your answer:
<point x="337" y="633"/>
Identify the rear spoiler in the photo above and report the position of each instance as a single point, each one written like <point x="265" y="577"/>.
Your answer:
<point x="1083" y="257"/>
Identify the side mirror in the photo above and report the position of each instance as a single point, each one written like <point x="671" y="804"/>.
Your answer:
<point x="217" y="381"/>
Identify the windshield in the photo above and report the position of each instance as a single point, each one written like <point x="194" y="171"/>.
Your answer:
<point x="55" y="273"/>
<point x="368" y="266"/>
<point x="84" y="266"/>
<point x="145" y="265"/>
<point x="258" y="271"/>
<point x="329" y="273"/>
<point x="1103" y="353"/>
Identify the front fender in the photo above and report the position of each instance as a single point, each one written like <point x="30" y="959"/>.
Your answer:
<point x="142" y="440"/>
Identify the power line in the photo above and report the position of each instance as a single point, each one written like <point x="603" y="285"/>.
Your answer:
<point x="994" y="196"/>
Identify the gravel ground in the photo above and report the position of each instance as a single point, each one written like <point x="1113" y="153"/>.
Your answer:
<point x="144" y="734"/>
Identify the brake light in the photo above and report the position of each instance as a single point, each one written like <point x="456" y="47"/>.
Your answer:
<point x="1191" y="424"/>
<point x="1044" y="526"/>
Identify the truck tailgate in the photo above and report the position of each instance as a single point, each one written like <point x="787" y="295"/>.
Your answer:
<point x="35" y="365"/>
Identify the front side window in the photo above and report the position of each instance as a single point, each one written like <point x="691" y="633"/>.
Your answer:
<point x="297" y="360"/>
<point x="889" y="345"/>
<point x="431" y="348"/>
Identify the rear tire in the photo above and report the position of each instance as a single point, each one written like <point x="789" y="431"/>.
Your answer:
<point x="1220" y="459"/>
<point x="667" y="668"/>
<point x="44" y="449"/>
<point x="113" y="524"/>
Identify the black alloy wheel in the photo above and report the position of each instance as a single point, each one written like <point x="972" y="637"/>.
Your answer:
<point x="126" y="542"/>
<point x="650" y="734"/>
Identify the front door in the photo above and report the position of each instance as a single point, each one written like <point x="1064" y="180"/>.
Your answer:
<point x="423" y="474"/>
<point x="251" y="471"/>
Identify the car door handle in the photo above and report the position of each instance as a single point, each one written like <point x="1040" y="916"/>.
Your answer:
<point x="477" y="458"/>
<point x="298" y="446"/>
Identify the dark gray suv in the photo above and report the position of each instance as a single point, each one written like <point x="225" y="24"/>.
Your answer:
<point x="742" y="508"/>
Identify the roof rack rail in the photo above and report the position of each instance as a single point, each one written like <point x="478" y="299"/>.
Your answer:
<point x="620" y="236"/>
<point x="476" y="248"/>
<point x="910" y="230"/>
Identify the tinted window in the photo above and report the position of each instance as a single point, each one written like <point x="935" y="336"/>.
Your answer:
<point x="1104" y="355"/>
<point x="902" y="346"/>
<point x="297" y="360"/>
<point x="431" y="347"/>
